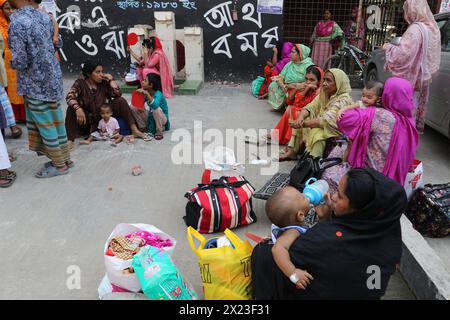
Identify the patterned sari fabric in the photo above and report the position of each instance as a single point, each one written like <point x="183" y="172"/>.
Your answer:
<point x="15" y="100"/>
<point x="324" y="34"/>
<point x="7" y="108"/>
<point x="418" y="55"/>
<point x="4" y="158"/>
<point x="46" y="131"/>
<point x="2" y="118"/>
<point x="291" y="73"/>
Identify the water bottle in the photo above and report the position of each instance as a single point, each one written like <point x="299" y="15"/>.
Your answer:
<point x="316" y="190"/>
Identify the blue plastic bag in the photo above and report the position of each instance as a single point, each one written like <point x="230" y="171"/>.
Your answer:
<point x="159" y="277"/>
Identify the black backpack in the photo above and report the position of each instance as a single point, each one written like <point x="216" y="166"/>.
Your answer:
<point x="309" y="167"/>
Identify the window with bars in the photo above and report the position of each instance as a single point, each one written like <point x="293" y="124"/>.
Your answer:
<point x="301" y="16"/>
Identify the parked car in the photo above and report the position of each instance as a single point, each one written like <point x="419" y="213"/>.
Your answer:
<point x="438" y="114"/>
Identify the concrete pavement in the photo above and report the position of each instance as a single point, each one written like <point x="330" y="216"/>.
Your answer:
<point x="50" y="225"/>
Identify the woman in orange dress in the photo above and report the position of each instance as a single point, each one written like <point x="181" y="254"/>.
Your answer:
<point x="300" y="96"/>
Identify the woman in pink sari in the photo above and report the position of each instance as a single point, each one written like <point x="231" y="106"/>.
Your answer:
<point x="418" y="55"/>
<point x="384" y="139"/>
<point x="325" y="32"/>
<point x="155" y="61"/>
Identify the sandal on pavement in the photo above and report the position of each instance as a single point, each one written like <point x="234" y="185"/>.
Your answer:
<point x="159" y="136"/>
<point x="50" y="172"/>
<point x="146" y="137"/>
<point x="10" y="175"/>
<point x="16" y="134"/>
<point x="9" y="179"/>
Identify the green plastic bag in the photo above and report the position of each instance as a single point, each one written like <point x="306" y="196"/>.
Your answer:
<point x="159" y="277"/>
<point x="256" y="85"/>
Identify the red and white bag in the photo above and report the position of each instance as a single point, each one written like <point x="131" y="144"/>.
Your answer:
<point x="220" y="204"/>
<point x="414" y="179"/>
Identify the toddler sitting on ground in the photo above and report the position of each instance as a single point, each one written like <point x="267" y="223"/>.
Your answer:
<point x="108" y="128"/>
<point x="287" y="209"/>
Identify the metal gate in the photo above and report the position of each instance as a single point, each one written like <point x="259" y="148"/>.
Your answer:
<point x="383" y="18"/>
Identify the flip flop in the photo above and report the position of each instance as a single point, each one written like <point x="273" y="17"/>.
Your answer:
<point x="159" y="136"/>
<point x="9" y="183"/>
<point x="148" y="137"/>
<point x="50" y="172"/>
<point x="10" y="175"/>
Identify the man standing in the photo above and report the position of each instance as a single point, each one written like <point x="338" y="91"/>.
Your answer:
<point x="39" y="80"/>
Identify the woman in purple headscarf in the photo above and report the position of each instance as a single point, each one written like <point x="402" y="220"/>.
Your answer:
<point x="281" y="57"/>
<point x="384" y="139"/>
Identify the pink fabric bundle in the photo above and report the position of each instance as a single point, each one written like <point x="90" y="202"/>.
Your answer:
<point x="151" y="239"/>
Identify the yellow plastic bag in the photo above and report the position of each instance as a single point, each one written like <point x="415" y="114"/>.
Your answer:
<point x="225" y="271"/>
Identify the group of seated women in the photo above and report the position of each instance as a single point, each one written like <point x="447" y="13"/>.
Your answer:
<point x="359" y="228"/>
<point x="318" y="109"/>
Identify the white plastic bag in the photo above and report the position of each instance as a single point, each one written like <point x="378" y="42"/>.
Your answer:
<point x="115" y="266"/>
<point x="222" y="163"/>
<point x="414" y="179"/>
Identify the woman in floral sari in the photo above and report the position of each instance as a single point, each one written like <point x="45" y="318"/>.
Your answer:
<point x="317" y="121"/>
<point x="324" y="33"/>
<point x="292" y="74"/>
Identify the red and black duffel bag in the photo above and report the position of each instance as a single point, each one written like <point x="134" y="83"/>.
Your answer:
<point x="220" y="204"/>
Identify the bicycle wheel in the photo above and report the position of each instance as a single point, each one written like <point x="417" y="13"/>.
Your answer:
<point x="335" y="61"/>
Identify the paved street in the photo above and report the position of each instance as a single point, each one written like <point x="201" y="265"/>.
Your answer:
<point x="49" y="225"/>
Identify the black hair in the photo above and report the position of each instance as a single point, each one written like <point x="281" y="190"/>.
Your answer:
<point x="360" y="189"/>
<point x="377" y="86"/>
<point x="155" y="81"/>
<point x="88" y="67"/>
<point x="149" y="43"/>
<point x="37" y="1"/>
<point x="105" y="105"/>
<point x="279" y="46"/>
<point x="315" y="71"/>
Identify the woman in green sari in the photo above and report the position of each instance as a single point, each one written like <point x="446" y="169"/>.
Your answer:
<point x="317" y="121"/>
<point x="292" y="74"/>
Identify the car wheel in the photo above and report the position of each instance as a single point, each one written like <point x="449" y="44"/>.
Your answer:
<point x="372" y="75"/>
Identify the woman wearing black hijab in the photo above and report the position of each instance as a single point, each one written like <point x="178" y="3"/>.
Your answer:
<point x="350" y="256"/>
